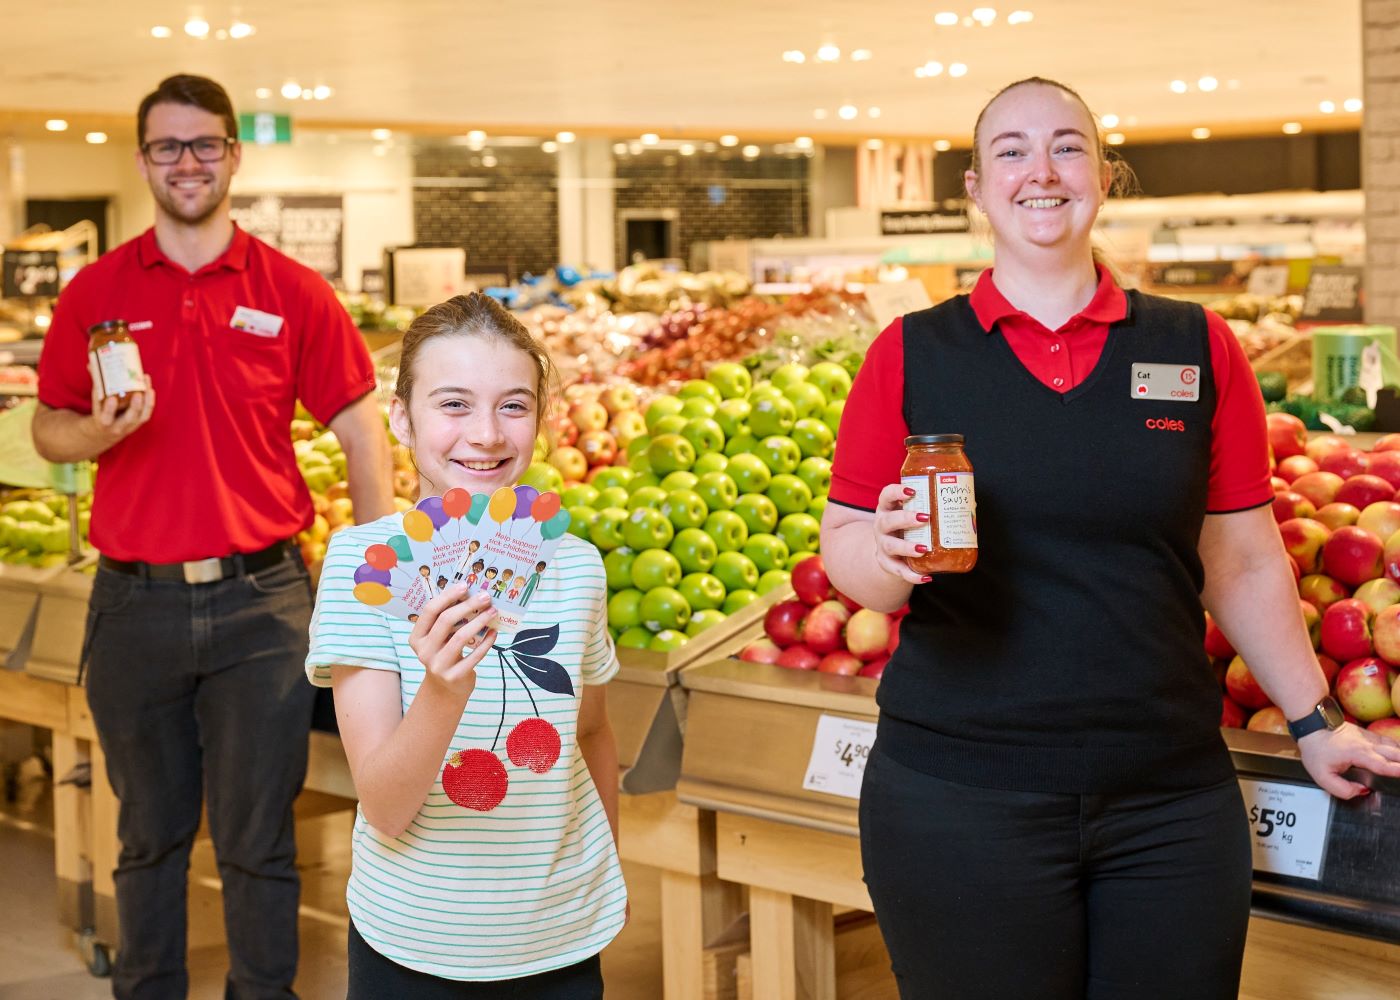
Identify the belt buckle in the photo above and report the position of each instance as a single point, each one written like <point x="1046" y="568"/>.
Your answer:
<point x="204" y="570"/>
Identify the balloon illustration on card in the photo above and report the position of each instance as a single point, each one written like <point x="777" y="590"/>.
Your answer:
<point x="511" y="549"/>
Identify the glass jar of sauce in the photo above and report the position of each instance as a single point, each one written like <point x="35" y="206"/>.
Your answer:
<point x="937" y="470"/>
<point x="114" y="361"/>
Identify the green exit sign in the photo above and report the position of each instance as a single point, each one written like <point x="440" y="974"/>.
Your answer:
<point x="265" y="128"/>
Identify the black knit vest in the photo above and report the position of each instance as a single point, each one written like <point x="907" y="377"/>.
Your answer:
<point x="1070" y="659"/>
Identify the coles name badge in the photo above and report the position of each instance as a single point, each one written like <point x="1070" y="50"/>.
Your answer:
<point x="1166" y="383"/>
<point x="256" y="322"/>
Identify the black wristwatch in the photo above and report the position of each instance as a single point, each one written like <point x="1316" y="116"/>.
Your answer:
<point x="1326" y="715"/>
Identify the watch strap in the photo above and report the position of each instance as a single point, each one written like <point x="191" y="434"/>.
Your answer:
<point x="1315" y="720"/>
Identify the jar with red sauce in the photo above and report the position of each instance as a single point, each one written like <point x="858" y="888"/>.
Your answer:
<point x="937" y="470"/>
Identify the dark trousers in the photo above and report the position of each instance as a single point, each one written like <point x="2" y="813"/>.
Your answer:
<point x="374" y="977"/>
<point x="198" y="691"/>
<point x="984" y="894"/>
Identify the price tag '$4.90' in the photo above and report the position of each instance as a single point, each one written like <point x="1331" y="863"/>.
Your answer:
<point x="839" y="752"/>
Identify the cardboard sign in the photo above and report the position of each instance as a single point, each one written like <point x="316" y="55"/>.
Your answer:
<point x="893" y="299"/>
<point x="1288" y="826"/>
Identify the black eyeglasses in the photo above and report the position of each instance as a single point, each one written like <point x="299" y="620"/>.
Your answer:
<point x="206" y="149"/>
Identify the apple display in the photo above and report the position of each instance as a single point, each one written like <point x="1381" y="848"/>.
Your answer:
<point x="1242" y="686"/>
<point x="799" y="657"/>
<point x="1345" y="463"/>
<point x="1319" y="487"/>
<point x="1363" y="687"/>
<point x="1303" y="539"/>
<point x="1363" y="490"/>
<point x="1268" y="720"/>
<point x="1335" y="515"/>
<point x="1288" y="435"/>
<point x="1346" y="630"/>
<point x="1294" y="466"/>
<point x="1352" y="556"/>
<point x="868" y="634"/>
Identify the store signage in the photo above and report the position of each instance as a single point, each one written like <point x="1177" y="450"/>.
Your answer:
<point x="1193" y="274"/>
<point x="890" y="300"/>
<point x="1288" y="827"/>
<point x="423" y="276"/>
<point x="902" y="222"/>
<point x="372" y="281"/>
<point x="1334" y="295"/>
<point x="31" y="274"/>
<point x="839" y="752"/>
<point x="1268" y="280"/>
<point x="306" y="227"/>
<point x="265" y="128"/>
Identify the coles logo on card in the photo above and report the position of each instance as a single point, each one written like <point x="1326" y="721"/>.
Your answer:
<point x="1188" y="376"/>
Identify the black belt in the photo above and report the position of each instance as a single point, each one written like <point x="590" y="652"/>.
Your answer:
<point x="202" y="570"/>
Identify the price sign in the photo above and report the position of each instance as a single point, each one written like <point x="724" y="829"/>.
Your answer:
<point x="1334" y="295"/>
<point x="1270" y="280"/>
<point x="890" y="300"/>
<point x="1288" y="824"/>
<point x="839" y="752"/>
<point x="31" y="273"/>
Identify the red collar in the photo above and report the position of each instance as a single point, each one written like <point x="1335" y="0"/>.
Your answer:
<point x="235" y="258"/>
<point x="1109" y="304"/>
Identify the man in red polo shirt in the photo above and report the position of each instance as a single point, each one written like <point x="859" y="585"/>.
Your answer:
<point x="197" y="626"/>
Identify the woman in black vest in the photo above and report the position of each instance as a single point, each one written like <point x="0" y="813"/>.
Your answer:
<point x="1049" y="810"/>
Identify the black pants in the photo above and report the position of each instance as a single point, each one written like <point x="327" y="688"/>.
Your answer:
<point x="197" y="691"/>
<point x="984" y="894"/>
<point x="374" y="977"/>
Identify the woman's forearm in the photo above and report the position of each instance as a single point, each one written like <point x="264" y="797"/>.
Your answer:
<point x="848" y="554"/>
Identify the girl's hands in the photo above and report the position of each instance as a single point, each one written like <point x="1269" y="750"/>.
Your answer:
<point x="891" y="521"/>
<point x="451" y="636"/>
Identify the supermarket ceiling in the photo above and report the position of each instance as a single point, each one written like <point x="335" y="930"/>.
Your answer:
<point x="697" y="68"/>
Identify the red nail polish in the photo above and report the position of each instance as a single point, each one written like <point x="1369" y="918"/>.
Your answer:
<point x="908" y="492"/>
<point x="921" y="549"/>
<point x="928" y="579"/>
<point x="921" y="517"/>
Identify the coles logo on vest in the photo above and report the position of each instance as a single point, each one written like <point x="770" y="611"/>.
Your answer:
<point x="1164" y="424"/>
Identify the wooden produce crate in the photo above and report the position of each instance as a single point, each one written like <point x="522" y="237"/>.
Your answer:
<point x="59" y="626"/>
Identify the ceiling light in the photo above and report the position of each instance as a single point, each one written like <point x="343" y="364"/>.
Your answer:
<point x="549" y="146"/>
<point x="96" y="138"/>
<point x="488" y="160"/>
<point x="565" y="137"/>
<point x="197" y="27"/>
<point x="873" y="112"/>
<point x="947" y="19"/>
<point x="1109" y="121"/>
<point x="381" y="134"/>
<point x="984" y="15"/>
<point x="263" y="93"/>
<point x="161" y="31"/>
<point x="1200" y="133"/>
<point x="874" y="144"/>
<point x="860" y="55"/>
<point x="307" y="93"/>
<point x="1327" y="107"/>
<point x="729" y="140"/>
<point x="942" y="145"/>
<point x="239" y="29"/>
<point x="1292" y="128"/>
<point x="957" y="69"/>
<point x="650" y="139"/>
<point x="635" y="148"/>
<point x="1020" y="17"/>
<point x="687" y="149"/>
<point x="819" y="114"/>
<point x="847" y="111"/>
<point x="321" y="92"/>
<point x="291" y="89"/>
<point x="828" y="53"/>
<point x="1115" y="138"/>
<point x="56" y="125"/>
<point x="794" y="56"/>
<point x="1178" y="86"/>
<point x="750" y="152"/>
<point x="476" y="135"/>
<point x="619" y="149"/>
<point x="803" y="142"/>
<point x="1352" y="104"/>
<point x="1207" y="83"/>
<point x="930" y="68"/>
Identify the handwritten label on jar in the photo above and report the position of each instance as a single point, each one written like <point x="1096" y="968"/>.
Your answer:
<point x="116" y="368"/>
<point x="957" y="510"/>
<point x="918" y="504"/>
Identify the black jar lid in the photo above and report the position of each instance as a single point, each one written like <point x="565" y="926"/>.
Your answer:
<point x="107" y="326"/>
<point x="917" y="439"/>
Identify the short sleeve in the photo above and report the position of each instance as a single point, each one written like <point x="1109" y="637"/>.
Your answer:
<point x="333" y="365"/>
<point x="344" y="631"/>
<point x="1239" y="458"/>
<point x="870" y="444"/>
<point x="64" y="380"/>
<point x="600" y="662"/>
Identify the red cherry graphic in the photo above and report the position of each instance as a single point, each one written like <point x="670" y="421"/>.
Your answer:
<point x="475" y="779"/>
<point x="533" y="743"/>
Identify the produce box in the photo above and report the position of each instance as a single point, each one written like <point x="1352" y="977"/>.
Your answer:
<point x="19" y="605"/>
<point x="59" y="626"/>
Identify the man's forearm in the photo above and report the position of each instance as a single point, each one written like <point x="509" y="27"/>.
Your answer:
<point x="368" y="464"/>
<point x="67" y="436"/>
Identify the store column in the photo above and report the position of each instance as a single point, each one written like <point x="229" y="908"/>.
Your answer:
<point x="1380" y="157"/>
<point x="587" y="220"/>
<point x="11" y="190"/>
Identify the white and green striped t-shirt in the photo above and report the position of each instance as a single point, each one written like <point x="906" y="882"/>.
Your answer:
<point x="534" y="883"/>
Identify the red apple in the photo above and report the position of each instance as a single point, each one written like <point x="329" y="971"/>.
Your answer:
<point x="799" y="658"/>
<point x="1363" y="490"/>
<point x="1389" y="728"/>
<point x="627" y="426"/>
<point x="1319" y="487"/>
<point x="1268" y="720"/>
<point x="1231" y="715"/>
<point x="1218" y="647"/>
<point x="1386" y="464"/>
<point x="810" y="581"/>
<point x="1381" y="519"/>
<point x="875" y="668"/>
<point x="1294" y="466"/>
<point x="1323" y="445"/>
<point x="1337" y="515"/>
<point x="1346" y="463"/>
<point x="868" y="634"/>
<point x="823" y="630"/>
<point x="565" y="431"/>
<point x="598" y="446"/>
<point x="570" y="463"/>
<point x="763" y="650"/>
<point x="1243" y="688"/>
<point x="1363" y="688"/>
<point x="589" y="415"/>
<point x="840" y="662"/>
<point x="1378" y="594"/>
<point x="1352" y="556"/>
<point x="1288" y="504"/>
<point x="1321" y="591"/>
<point x="1385" y="633"/>
<point x="1304" y="539"/>
<point x="783" y="622"/>
<point x="1288" y="435"/>
<point x="850" y="603"/>
<point x="1346" y="630"/>
<point x="1329" y="668"/>
<point x="1387" y="442"/>
<point x="475" y="779"/>
<point x="1312" y="621"/>
<point x="1278" y="485"/>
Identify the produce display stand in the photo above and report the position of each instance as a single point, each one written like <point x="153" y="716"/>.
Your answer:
<point x="749" y="738"/>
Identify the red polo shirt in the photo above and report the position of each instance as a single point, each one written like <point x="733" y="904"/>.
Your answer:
<point x="870" y="448"/>
<point x="213" y="471"/>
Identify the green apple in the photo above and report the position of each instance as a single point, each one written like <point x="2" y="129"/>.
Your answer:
<point x="814" y="438"/>
<point x="728" y="529"/>
<point x="764" y="390"/>
<point x="712" y="462"/>
<point x="579" y="495"/>
<point x="613" y="496"/>
<point x="663" y="608"/>
<point x="789" y="494"/>
<point x="617" y="567"/>
<point x="736" y="571"/>
<point x="766" y="551"/>
<point x="731" y="379"/>
<point x="634" y="638"/>
<point x="639" y="463"/>
<point x="831" y="414"/>
<point x="543" y="477"/>
<point x="773" y="579"/>
<point x="684" y="509"/>
<point x="680" y="480"/>
<point x="581" y="520"/>
<point x="718" y="490"/>
<point x="641" y="480"/>
<point x="661" y="406"/>
<point x="806" y="398"/>
<point x="703" y="619"/>
<point x="699" y="388"/>
<point x="831" y="379"/>
<point x="801" y="532"/>
<point x="702" y="590"/>
<point x="612" y="475"/>
<point x="740" y="444"/>
<point x="760" y="514"/>
<point x="694" y="550"/>
<point x="733" y="416"/>
<point x="818" y="507"/>
<point x="670" y="424"/>
<point x="655" y="568"/>
<point x="737" y="600"/>
<point x="647" y="528"/>
<point x="772" y="415"/>
<point x="606" y="531"/>
<point x="669" y="453"/>
<point x="704" y="435"/>
<point x="779" y="453"/>
<point x="697" y="407"/>
<point x="646" y="496"/>
<point x="749" y="473"/>
<point x="625" y="609"/>
<point x="789" y="374"/>
<point x="816" y="473"/>
<point x="637" y="446"/>
<point x="666" y="640"/>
